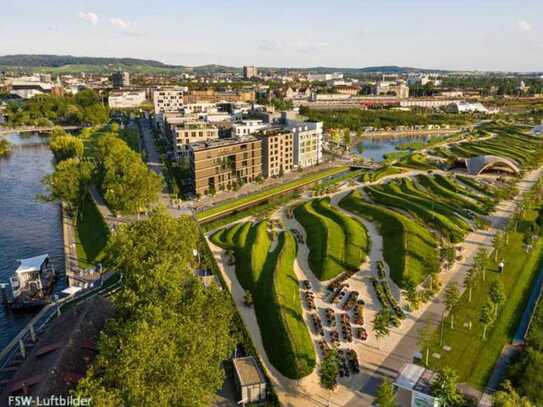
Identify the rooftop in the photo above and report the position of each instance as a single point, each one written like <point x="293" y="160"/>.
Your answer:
<point x="414" y="377"/>
<point x="248" y="371"/>
<point x="204" y="145"/>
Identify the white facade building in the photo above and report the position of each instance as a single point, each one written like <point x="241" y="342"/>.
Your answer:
<point x="168" y="100"/>
<point x="246" y="127"/>
<point x="26" y="88"/>
<point x="323" y="77"/>
<point x="126" y="99"/>
<point x="308" y="142"/>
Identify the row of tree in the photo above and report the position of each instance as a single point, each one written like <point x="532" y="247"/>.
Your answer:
<point x="82" y="109"/>
<point x="170" y="334"/>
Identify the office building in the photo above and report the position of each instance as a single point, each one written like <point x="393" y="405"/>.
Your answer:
<point x="120" y="79"/>
<point x="222" y="164"/>
<point x="250" y="72"/>
<point x="277" y="152"/>
<point x="212" y="96"/>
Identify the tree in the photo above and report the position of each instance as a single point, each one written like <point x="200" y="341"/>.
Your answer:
<point x="497" y="295"/>
<point x="508" y="397"/>
<point x="68" y="183"/>
<point x="444" y="388"/>
<point x="499" y="243"/>
<point x="329" y="371"/>
<point x="66" y="146"/>
<point x="380" y="324"/>
<point x="481" y="262"/>
<point x="452" y="295"/>
<point x="386" y="396"/>
<point x="487" y="316"/>
<point x="425" y="339"/>
<point x="470" y="281"/>
<point x="411" y="294"/>
<point x="166" y="344"/>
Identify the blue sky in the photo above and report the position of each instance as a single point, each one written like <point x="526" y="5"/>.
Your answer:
<point x="484" y="34"/>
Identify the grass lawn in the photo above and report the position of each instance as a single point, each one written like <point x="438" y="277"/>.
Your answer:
<point x="473" y="357"/>
<point x="325" y="239"/>
<point x="270" y="278"/>
<point x="409" y="249"/>
<point x="91" y="235"/>
<point x="279" y="312"/>
<point x="226" y="207"/>
<point x="374" y="176"/>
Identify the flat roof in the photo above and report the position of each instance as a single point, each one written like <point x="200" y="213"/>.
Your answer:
<point x="414" y="377"/>
<point x="31" y="263"/>
<point x="203" y="145"/>
<point x="248" y="371"/>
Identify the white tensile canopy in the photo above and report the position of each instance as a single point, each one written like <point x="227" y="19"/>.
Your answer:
<point x="31" y="263"/>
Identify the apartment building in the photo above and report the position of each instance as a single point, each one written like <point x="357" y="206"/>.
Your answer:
<point x="126" y="99"/>
<point x="246" y="127"/>
<point x="250" y="72"/>
<point x="307" y="140"/>
<point x="221" y="164"/>
<point x="212" y="96"/>
<point x="277" y="152"/>
<point x="168" y="100"/>
<point x="183" y="132"/>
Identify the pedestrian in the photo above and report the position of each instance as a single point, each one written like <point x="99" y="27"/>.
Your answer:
<point x="501" y="266"/>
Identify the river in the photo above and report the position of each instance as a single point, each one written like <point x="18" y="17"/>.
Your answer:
<point x="375" y="148"/>
<point x="27" y="227"/>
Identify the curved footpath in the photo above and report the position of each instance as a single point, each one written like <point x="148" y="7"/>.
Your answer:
<point x="378" y="358"/>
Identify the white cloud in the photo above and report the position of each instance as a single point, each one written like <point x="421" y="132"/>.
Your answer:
<point x="300" y="46"/>
<point x="523" y="26"/>
<point x="120" y="23"/>
<point x="89" y="17"/>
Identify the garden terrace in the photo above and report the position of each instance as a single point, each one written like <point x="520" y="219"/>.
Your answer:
<point x="374" y="176"/>
<point x="409" y="249"/>
<point x="337" y="243"/>
<point x="270" y="278"/>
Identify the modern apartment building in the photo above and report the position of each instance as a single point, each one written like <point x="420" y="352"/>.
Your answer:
<point x="120" y="79"/>
<point x="277" y="152"/>
<point x="183" y="132"/>
<point x="308" y="140"/>
<point x="221" y="164"/>
<point x="246" y="127"/>
<point x="168" y="100"/>
<point x="250" y="72"/>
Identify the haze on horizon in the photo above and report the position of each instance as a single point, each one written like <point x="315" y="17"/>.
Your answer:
<point x="459" y="35"/>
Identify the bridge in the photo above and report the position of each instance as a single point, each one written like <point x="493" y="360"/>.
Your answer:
<point x="35" y="129"/>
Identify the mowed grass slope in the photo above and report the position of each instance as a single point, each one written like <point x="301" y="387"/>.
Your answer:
<point x="336" y="241"/>
<point x="409" y="249"/>
<point x="269" y="276"/>
<point x="279" y="312"/>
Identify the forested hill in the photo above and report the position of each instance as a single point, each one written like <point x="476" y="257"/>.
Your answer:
<point x="55" y="61"/>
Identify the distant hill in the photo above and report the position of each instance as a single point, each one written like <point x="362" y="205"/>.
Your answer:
<point x="69" y="63"/>
<point x="56" y="61"/>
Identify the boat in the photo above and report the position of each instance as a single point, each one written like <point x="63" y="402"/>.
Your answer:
<point x="31" y="284"/>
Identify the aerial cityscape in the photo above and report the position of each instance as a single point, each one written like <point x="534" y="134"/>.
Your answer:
<point x="294" y="204"/>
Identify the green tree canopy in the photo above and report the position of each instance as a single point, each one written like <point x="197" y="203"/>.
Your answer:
<point x="386" y="396"/>
<point x="329" y="370"/>
<point x="66" y="146"/>
<point x="444" y="387"/>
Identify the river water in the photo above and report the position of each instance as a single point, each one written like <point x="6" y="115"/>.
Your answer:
<point x="375" y="148"/>
<point x="27" y="227"/>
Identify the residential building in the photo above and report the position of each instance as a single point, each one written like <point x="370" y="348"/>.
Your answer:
<point x="120" y="79"/>
<point x="183" y="132"/>
<point x="347" y="90"/>
<point x="222" y="164"/>
<point x="27" y="88"/>
<point x="308" y="141"/>
<point x="277" y="152"/>
<point x="212" y="96"/>
<point x="126" y="99"/>
<point x="246" y="127"/>
<point x="168" y="100"/>
<point x="250" y="72"/>
<point x="201" y="107"/>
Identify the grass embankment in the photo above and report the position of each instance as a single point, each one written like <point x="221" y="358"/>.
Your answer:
<point x="91" y="234"/>
<point x="270" y="278"/>
<point x="409" y="249"/>
<point x="374" y="176"/>
<point x="336" y="241"/>
<point x="471" y="356"/>
<point x="230" y="206"/>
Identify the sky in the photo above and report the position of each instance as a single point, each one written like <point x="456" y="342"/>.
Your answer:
<point x="438" y="34"/>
